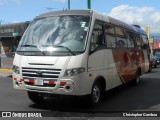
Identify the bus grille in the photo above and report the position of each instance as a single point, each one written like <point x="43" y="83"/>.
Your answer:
<point x="46" y="74"/>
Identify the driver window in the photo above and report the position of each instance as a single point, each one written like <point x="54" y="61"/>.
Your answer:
<point x="97" y="35"/>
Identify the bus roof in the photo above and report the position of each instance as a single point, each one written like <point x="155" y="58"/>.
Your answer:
<point x="119" y="23"/>
<point x="128" y="26"/>
<point x="66" y="12"/>
<point x="139" y="30"/>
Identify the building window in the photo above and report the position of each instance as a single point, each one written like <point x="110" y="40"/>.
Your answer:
<point x="6" y="45"/>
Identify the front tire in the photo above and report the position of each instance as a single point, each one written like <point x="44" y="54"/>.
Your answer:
<point x="35" y="97"/>
<point x="96" y="94"/>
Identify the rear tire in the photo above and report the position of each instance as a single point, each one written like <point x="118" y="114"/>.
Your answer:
<point x="137" y="79"/>
<point x="150" y="68"/>
<point x="35" y="97"/>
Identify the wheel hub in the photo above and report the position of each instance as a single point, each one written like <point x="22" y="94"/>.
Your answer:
<point x="96" y="94"/>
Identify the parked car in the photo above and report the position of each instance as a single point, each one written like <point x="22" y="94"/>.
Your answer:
<point x="157" y="57"/>
<point x="153" y="60"/>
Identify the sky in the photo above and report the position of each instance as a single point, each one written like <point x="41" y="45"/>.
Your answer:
<point x="145" y="13"/>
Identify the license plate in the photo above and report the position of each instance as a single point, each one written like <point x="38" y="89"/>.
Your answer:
<point x="38" y="81"/>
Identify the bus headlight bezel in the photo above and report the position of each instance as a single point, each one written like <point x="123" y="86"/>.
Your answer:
<point x="73" y="71"/>
<point x="16" y="69"/>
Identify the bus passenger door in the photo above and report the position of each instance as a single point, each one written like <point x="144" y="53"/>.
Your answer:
<point x="96" y="55"/>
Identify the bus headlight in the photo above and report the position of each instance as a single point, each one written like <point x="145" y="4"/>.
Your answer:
<point x="16" y="69"/>
<point x="74" y="71"/>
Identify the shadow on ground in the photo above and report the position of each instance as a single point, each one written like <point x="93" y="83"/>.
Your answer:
<point x="122" y="98"/>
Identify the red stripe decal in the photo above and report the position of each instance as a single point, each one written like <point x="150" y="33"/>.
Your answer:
<point x="30" y="80"/>
<point x="72" y="83"/>
<point x="51" y="82"/>
<point x="63" y="83"/>
<point x="21" y="80"/>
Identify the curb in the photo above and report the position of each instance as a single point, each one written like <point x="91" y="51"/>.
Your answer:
<point x="5" y="72"/>
<point x="6" y="69"/>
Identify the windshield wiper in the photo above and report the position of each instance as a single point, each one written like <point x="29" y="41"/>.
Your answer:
<point x="27" y="45"/>
<point x="67" y="49"/>
<point x="64" y="47"/>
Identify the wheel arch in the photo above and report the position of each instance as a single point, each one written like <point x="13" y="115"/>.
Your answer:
<point x="139" y="70"/>
<point x="102" y="81"/>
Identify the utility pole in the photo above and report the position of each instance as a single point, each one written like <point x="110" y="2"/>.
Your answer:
<point x="147" y="30"/>
<point x="89" y="4"/>
<point x="69" y="4"/>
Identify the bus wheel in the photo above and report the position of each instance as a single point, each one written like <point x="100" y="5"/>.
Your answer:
<point x="150" y="68"/>
<point x="96" y="94"/>
<point x="35" y="97"/>
<point x="137" y="79"/>
<point x="155" y="66"/>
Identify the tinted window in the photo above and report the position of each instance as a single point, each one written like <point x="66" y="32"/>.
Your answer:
<point x="110" y="36"/>
<point x="130" y="39"/>
<point x="145" y="43"/>
<point x="138" y="41"/>
<point x="120" y="32"/>
<point x="121" y="39"/>
<point x="97" y="38"/>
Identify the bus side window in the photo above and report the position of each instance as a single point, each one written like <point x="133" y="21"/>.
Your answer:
<point x="121" y="39"/>
<point x="120" y="43"/>
<point x="145" y="44"/>
<point x="130" y="39"/>
<point x="110" y="36"/>
<point x="97" y="37"/>
<point x="94" y="42"/>
<point x="138" y="41"/>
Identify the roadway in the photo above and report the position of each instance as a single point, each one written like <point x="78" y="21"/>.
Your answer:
<point x="144" y="97"/>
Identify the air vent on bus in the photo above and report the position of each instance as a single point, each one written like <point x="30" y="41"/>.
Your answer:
<point x="138" y="26"/>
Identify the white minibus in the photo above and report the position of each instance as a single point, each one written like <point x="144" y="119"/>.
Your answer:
<point x="77" y="53"/>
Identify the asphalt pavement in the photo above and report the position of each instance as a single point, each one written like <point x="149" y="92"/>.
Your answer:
<point x="144" y="97"/>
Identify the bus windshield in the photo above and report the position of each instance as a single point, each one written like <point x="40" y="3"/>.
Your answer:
<point x="57" y="34"/>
